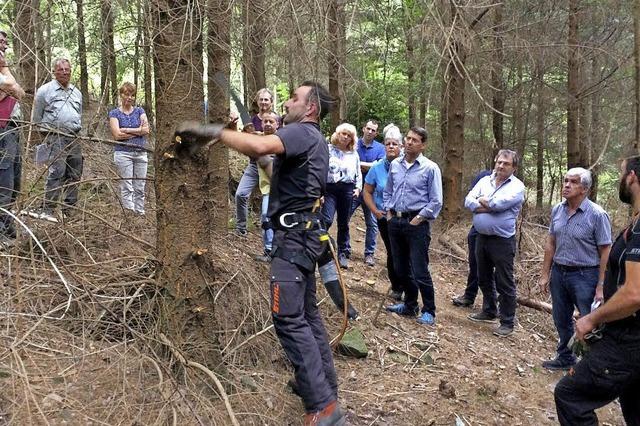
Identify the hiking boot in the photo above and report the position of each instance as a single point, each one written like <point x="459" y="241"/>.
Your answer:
<point x="427" y="319"/>
<point x="265" y="257"/>
<point x="402" y="309"/>
<point x="462" y="301"/>
<point x="482" y="317"/>
<point x="241" y="232"/>
<point x="396" y="295"/>
<point x="558" y="364"/>
<point x="331" y="415"/>
<point x="503" y="331"/>
<point x="370" y="260"/>
<point x="343" y="261"/>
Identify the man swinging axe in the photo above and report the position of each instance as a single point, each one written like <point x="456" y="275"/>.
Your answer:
<point x="299" y="178"/>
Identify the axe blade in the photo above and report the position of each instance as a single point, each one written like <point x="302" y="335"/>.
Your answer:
<point x="221" y="80"/>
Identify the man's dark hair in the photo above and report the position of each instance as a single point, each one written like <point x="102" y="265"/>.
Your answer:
<point x="420" y="131"/>
<point x="515" y="159"/>
<point x="4" y="34"/>
<point x="372" y="121"/>
<point x="321" y="97"/>
<point x="632" y="164"/>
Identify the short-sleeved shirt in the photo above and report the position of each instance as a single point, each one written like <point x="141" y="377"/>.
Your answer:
<point x="371" y="153"/>
<point x="300" y="173"/>
<point x="129" y="121"/>
<point x="377" y="177"/>
<point x="626" y="248"/>
<point x="57" y="107"/>
<point x="578" y="236"/>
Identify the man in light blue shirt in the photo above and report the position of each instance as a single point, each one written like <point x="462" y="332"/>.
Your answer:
<point x="57" y="110"/>
<point x="578" y="246"/>
<point x="496" y="201"/>
<point x="412" y="198"/>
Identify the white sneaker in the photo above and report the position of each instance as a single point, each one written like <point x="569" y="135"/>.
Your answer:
<point x="41" y="214"/>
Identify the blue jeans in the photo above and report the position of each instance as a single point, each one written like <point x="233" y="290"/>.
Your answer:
<point x="65" y="170"/>
<point x="132" y="169"/>
<point x="267" y="234"/>
<point x="569" y="289"/>
<point x="10" y="172"/>
<point x="248" y="181"/>
<point x="371" y="224"/>
<point x="337" y="200"/>
<point x="410" y="249"/>
<point x="396" y="284"/>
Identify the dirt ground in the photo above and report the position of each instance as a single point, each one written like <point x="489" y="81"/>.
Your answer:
<point x="80" y="343"/>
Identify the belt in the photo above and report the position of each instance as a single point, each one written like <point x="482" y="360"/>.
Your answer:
<point x="297" y="221"/>
<point x="567" y="268"/>
<point x="408" y="215"/>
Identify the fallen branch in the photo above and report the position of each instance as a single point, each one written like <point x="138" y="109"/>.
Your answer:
<point x="459" y="251"/>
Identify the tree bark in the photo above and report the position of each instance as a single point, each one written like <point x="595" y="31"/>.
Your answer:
<point x="573" y="76"/>
<point x="254" y="39"/>
<point x="335" y="46"/>
<point x="540" y="136"/>
<point x="219" y="61"/>
<point x="108" y="76"/>
<point x="184" y="209"/>
<point x="28" y="26"/>
<point x="82" y="54"/>
<point x="455" y="108"/>
<point x="636" y="63"/>
<point x="596" y="139"/>
<point x="146" y="65"/>
<point x="497" y="79"/>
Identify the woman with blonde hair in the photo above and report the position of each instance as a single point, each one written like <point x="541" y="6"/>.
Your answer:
<point x="128" y="123"/>
<point x="344" y="183"/>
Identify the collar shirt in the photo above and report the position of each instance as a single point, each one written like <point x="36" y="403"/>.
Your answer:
<point x="505" y="202"/>
<point x="579" y="235"/>
<point x="414" y="187"/>
<point x="344" y="167"/>
<point x="58" y="108"/>
<point x="377" y="177"/>
<point x="371" y="153"/>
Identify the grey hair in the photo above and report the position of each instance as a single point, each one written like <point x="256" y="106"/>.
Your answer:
<point x="57" y="61"/>
<point x="509" y="153"/>
<point x="264" y="90"/>
<point x="392" y="132"/>
<point x="585" y="176"/>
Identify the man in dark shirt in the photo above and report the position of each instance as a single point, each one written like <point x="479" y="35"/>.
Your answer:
<point x="299" y="178"/>
<point x="611" y="367"/>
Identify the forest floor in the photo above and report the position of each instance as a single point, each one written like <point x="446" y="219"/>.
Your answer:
<point x="80" y="341"/>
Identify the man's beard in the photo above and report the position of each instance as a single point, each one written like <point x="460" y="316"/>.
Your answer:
<point x="623" y="191"/>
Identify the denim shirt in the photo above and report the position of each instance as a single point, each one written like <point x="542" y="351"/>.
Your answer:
<point x="58" y="108"/>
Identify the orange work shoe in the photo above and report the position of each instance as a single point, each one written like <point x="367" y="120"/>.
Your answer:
<point x="331" y="415"/>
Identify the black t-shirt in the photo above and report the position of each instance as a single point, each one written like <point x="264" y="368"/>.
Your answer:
<point x="300" y="173"/>
<point x="626" y="248"/>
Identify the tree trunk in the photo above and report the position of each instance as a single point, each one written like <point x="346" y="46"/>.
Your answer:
<point x="254" y="37"/>
<point x="108" y="76"/>
<point x="184" y="212"/>
<point x="146" y="64"/>
<point x="454" y="149"/>
<point x="334" y="50"/>
<point x="27" y="29"/>
<point x="596" y="140"/>
<point x="423" y="97"/>
<point x="540" y="116"/>
<point x="636" y="62"/>
<point x="219" y="61"/>
<point x="82" y="55"/>
<point x="573" y="76"/>
<point x="497" y="79"/>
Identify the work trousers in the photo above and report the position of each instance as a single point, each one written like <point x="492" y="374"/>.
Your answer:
<point x="248" y="181"/>
<point x="10" y="172"/>
<point x="610" y="370"/>
<point x="496" y="254"/>
<point x="410" y="249"/>
<point x="132" y="169"/>
<point x="396" y="283"/>
<point x="65" y="170"/>
<point x="297" y="320"/>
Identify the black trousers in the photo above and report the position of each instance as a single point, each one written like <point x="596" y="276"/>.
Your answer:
<point x="495" y="253"/>
<point x="610" y="370"/>
<point x="297" y="320"/>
